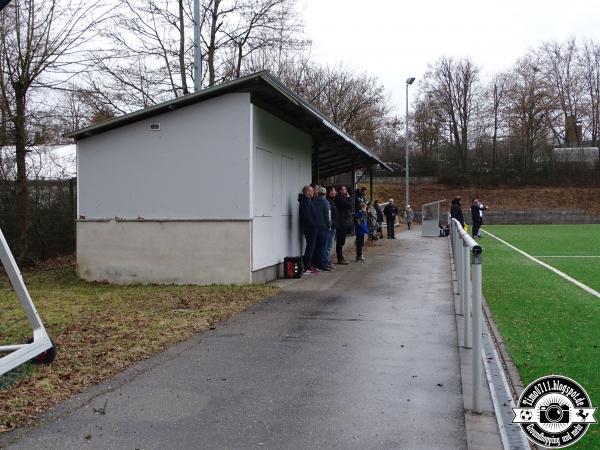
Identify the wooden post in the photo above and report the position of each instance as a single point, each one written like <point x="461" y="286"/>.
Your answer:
<point x="317" y="173"/>
<point x="371" y="184"/>
<point x="353" y="186"/>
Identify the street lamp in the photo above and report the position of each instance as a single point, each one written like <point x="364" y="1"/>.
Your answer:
<point x="409" y="81"/>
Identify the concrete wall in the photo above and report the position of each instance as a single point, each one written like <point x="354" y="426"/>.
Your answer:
<point x="183" y="252"/>
<point x="281" y="166"/>
<point x="178" y="172"/>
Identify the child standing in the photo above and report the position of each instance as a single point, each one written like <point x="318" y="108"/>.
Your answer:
<point x="409" y="215"/>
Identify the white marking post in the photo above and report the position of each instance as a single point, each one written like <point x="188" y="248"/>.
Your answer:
<point x="577" y="283"/>
<point x="21" y="353"/>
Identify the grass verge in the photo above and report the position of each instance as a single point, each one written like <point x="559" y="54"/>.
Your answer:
<point x="101" y="329"/>
<point x="549" y="325"/>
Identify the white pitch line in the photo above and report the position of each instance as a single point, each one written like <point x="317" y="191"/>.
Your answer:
<point x="549" y="267"/>
<point x="565" y="256"/>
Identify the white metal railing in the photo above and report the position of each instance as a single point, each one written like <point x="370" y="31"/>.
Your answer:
<point x="467" y="255"/>
<point x="40" y="343"/>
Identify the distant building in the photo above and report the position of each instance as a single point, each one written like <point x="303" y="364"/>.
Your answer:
<point x="44" y="162"/>
<point x="203" y="189"/>
<point x="589" y="155"/>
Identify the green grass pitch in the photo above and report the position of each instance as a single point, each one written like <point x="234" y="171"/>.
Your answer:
<point x="550" y="326"/>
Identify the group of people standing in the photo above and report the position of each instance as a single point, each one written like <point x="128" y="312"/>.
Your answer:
<point x="328" y="215"/>
<point x="477" y="208"/>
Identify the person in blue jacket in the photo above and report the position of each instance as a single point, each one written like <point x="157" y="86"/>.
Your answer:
<point x="361" y="228"/>
<point x="322" y="210"/>
<point x="308" y="227"/>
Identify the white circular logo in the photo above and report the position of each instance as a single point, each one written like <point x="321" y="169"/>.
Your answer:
<point x="554" y="411"/>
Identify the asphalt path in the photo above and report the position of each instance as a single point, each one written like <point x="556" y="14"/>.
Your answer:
<point x="361" y="358"/>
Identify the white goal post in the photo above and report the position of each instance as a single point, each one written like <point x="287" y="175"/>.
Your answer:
<point x="430" y="218"/>
<point x="20" y="353"/>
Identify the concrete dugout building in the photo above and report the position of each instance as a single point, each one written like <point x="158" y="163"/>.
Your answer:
<point x="203" y="189"/>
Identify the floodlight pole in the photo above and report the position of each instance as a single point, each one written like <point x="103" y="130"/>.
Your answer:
<point x="409" y="81"/>
<point x="197" y="51"/>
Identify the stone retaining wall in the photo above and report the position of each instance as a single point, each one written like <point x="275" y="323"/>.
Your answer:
<point x="554" y="217"/>
<point x="548" y="217"/>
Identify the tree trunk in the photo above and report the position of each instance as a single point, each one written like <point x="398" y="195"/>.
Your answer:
<point x="238" y="66"/>
<point x="494" y="147"/>
<point x="184" y="86"/>
<point x="210" y="54"/>
<point x="22" y="187"/>
<point x="495" y="136"/>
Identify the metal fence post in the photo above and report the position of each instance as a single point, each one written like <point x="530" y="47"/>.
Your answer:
<point x="466" y="273"/>
<point x="476" y="280"/>
<point x="459" y="264"/>
<point x="452" y="240"/>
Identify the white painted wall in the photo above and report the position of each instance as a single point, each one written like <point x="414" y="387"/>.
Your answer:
<point x="195" y="167"/>
<point x="281" y="166"/>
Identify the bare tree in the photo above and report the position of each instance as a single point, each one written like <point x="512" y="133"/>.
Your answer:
<point x="589" y="67"/>
<point x="264" y="24"/>
<point x="157" y="65"/>
<point x="36" y="37"/>
<point x="357" y="103"/>
<point x="558" y="65"/>
<point x="454" y="84"/>
<point x="496" y="94"/>
<point x="427" y="123"/>
<point x="137" y="73"/>
<point x="527" y="108"/>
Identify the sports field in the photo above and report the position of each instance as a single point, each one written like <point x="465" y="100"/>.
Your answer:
<point x="550" y="325"/>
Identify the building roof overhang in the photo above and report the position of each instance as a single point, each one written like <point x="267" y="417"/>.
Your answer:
<point x="334" y="152"/>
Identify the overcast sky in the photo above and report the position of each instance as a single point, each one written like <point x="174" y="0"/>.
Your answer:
<point x="395" y="39"/>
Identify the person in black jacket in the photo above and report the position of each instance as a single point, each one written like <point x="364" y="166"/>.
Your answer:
<point x="344" y="222"/>
<point x="308" y="226"/>
<point x="390" y="212"/>
<point x="331" y="194"/>
<point x="456" y="211"/>
<point x="477" y="209"/>
<point x="379" y="218"/>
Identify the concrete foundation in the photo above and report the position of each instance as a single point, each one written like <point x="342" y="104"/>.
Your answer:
<point x="267" y="274"/>
<point x="172" y="252"/>
<point x="165" y="252"/>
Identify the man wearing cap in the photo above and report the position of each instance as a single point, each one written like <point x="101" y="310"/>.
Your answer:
<point x="323" y="219"/>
